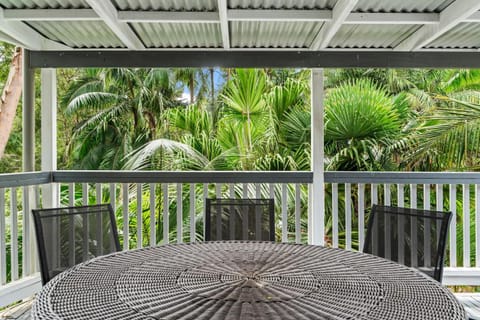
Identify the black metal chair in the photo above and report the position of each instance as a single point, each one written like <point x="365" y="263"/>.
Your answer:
<point x="412" y="237"/>
<point x="70" y="235"/>
<point x="240" y="219"/>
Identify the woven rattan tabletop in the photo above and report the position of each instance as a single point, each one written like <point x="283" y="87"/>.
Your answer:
<point x="243" y="280"/>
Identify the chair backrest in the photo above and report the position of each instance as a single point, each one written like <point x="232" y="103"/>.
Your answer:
<point x="412" y="237"/>
<point x="70" y="235"/>
<point x="240" y="219"/>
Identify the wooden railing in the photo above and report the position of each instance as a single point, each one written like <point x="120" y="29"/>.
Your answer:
<point x="172" y="210"/>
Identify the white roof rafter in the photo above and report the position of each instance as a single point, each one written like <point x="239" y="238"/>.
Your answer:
<point x="223" y="17"/>
<point x="451" y="16"/>
<point x="107" y="11"/>
<point x="339" y="14"/>
<point x="23" y="34"/>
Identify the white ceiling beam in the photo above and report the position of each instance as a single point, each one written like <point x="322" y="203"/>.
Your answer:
<point x="223" y="18"/>
<point x="451" y="16"/>
<point x="279" y="15"/>
<point x="339" y="13"/>
<point x="473" y="18"/>
<point x="107" y="11"/>
<point x="27" y="36"/>
<point x="392" y="18"/>
<point x="167" y="17"/>
<point x="50" y="14"/>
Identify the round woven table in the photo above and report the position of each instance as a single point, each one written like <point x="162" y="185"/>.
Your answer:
<point x="243" y="280"/>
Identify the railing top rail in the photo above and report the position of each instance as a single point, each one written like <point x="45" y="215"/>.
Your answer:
<point x="9" y="180"/>
<point x="402" y="177"/>
<point x="183" y="176"/>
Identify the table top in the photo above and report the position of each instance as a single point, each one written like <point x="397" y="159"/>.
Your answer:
<point x="243" y="280"/>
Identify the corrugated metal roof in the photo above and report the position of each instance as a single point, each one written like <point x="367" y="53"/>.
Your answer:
<point x="43" y="4"/>
<point x="402" y="5"/>
<point x="167" y="5"/>
<point x="273" y="34"/>
<point x="281" y="4"/>
<point x="78" y="34"/>
<point x="179" y="35"/>
<point x="371" y="36"/>
<point x="464" y="36"/>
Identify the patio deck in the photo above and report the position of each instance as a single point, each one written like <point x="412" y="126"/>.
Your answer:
<point x="20" y="311"/>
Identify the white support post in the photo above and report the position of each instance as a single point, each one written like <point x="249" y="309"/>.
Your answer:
<point x="317" y="199"/>
<point x="28" y="132"/>
<point x="49" y="133"/>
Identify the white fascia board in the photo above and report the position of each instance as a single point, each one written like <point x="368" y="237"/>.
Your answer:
<point x="392" y="18"/>
<point x="223" y="18"/>
<point x="50" y="14"/>
<point x="279" y="15"/>
<point x="451" y="16"/>
<point x="27" y="36"/>
<point x="339" y="13"/>
<point x="107" y="11"/>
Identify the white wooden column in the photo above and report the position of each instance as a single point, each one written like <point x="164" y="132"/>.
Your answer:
<point x="49" y="133"/>
<point x="316" y="227"/>
<point x="28" y="114"/>
<point x="28" y="137"/>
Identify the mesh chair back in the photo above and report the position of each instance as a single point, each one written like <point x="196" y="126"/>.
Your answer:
<point x="68" y="236"/>
<point x="240" y="219"/>
<point x="415" y="238"/>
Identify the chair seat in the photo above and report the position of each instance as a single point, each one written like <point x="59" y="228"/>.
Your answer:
<point x="471" y="303"/>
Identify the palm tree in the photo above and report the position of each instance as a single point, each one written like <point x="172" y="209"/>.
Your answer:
<point x="122" y="109"/>
<point x="361" y="123"/>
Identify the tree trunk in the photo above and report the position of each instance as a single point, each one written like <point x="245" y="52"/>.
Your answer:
<point x="191" y="87"/>
<point x="212" y="83"/>
<point x="10" y="99"/>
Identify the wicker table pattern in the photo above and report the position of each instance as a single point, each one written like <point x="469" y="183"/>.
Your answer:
<point x="243" y="280"/>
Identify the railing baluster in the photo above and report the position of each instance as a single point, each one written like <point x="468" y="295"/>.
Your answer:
<point x="245" y="190"/>
<point x="477" y="225"/>
<point x="348" y="216"/>
<point x="14" y="233"/>
<point x="427" y="227"/>
<point x="26" y="254"/>
<point x="258" y="213"/>
<point x="453" y="225"/>
<point x="438" y="207"/>
<point x="401" y="224"/>
<point x="218" y="190"/>
<point x="113" y="197"/>
<point x="400" y="195"/>
<point x="466" y="225"/>
<point x="98" y="193"/>
<point x="3" y="239"/>
<point x="71" y="194"/>
<point x="335" y="215"/>
<point x="413" y="196"/>
<point x="192" y="212"/>
<point x="84" y="194"/>
<point x="166" y="214"/>
<point x="126" y="237"/>
<point x="231" y="188"/>
<point x="205" y="196"/>
<point x="284" y="213"/>
<point x="99" y="224"/>
<point x="361" y="216"/>
<point x="139" y="216"/>
<point x="413" y="226"/>
<point x="374" y="199"/>
<point x="387" y="200"/>
<point x="387" y="194"/>
<point x="298" y="236"/>
<point x="153" y="223"/>
<point x="179" y="213"/>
